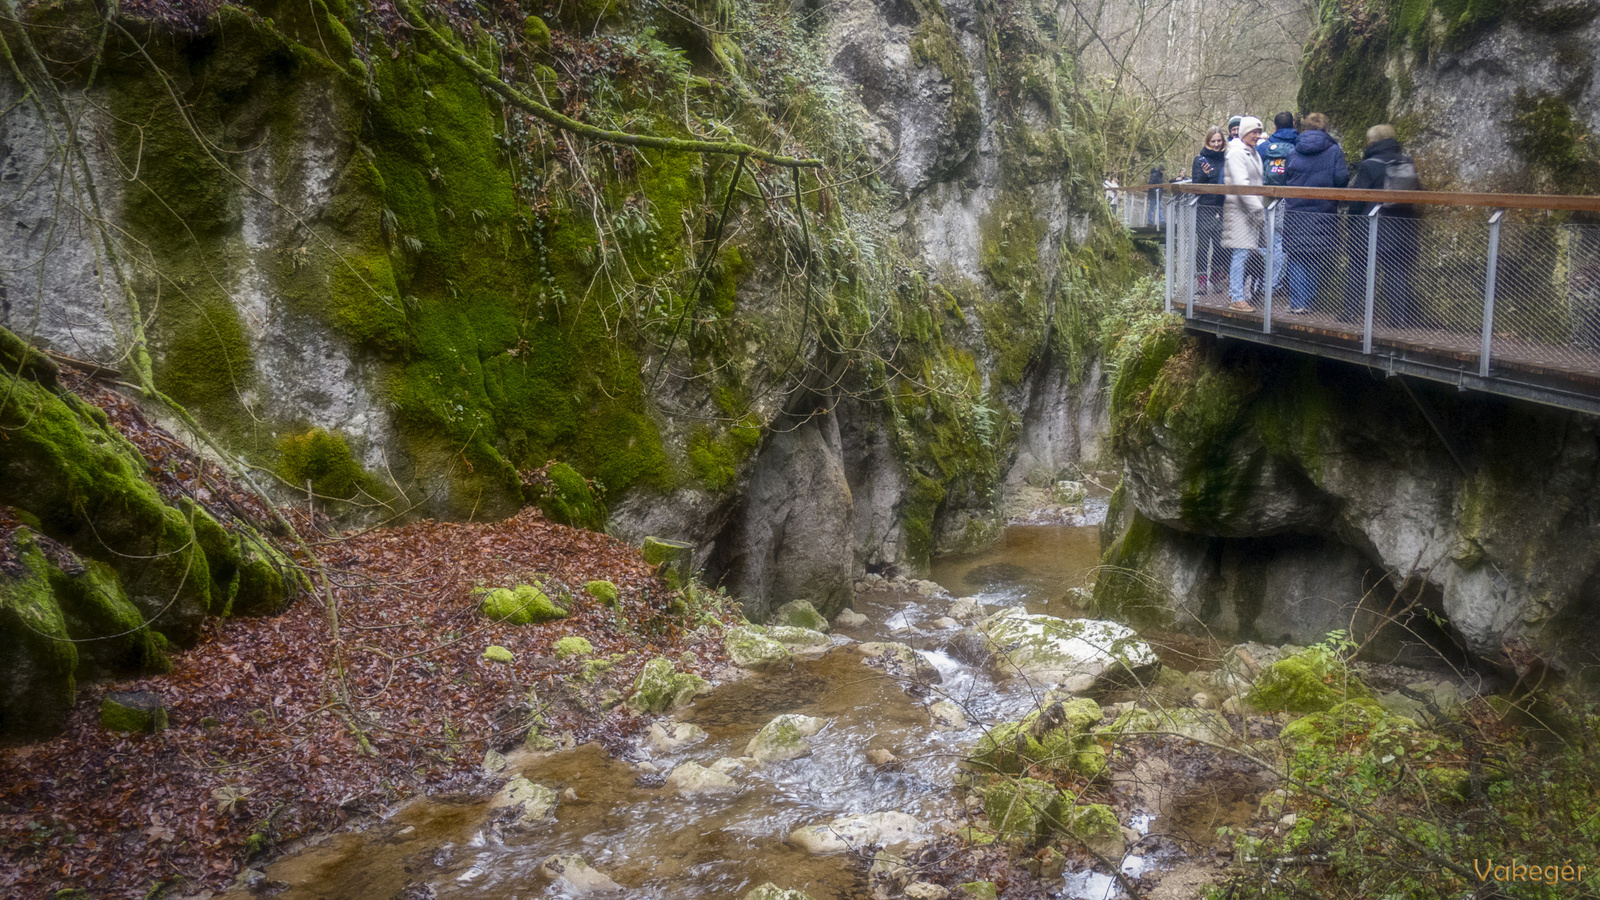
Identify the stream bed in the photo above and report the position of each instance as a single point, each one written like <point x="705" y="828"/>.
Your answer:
<point x="656" y="843"/>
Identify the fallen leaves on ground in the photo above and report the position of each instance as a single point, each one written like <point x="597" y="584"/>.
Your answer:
<point x="263" y="745"/>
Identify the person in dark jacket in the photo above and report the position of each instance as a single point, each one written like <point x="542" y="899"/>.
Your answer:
<point x="1384" y="166"/>
<point x="1311" y="227"/>
<point x="1153" y="214"/>
<point x="1209" y="257"/>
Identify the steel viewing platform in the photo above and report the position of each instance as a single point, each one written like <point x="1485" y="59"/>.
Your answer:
<point x="1497" y="293"/>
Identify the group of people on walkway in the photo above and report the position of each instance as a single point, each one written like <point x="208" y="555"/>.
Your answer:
<point x="1231" y="230"/>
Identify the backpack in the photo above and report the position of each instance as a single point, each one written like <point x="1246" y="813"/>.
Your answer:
<point x="1275" y="162"/>
<point x="1400" y="174"/>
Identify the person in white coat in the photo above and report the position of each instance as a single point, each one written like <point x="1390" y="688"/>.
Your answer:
<point x="1243" y="218"/>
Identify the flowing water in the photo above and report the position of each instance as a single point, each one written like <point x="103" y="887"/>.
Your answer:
<point x="662" y="845"/>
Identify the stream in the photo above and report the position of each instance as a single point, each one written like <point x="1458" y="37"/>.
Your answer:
<point x="659" y="844"/>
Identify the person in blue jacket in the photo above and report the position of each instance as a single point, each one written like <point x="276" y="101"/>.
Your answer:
<point x="1210" y="259"/>
<point x="1311" y="227"/>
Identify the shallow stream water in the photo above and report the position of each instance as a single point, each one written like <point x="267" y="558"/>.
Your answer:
<point x="662" y="845"/>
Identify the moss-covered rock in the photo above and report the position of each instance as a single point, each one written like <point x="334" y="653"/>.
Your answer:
<point x="573" y="645"/>
<point x="1096" y="825"/>
<point x="138" y="711"/>
<point x="1023" y="809"/>
<point x="661" y="688"/>
<point x="799" y="614"/>
<point x="38" y="659"/>
<point x="750" y="648"/>
<point x="784" y="738"/>
<point x="497" y="654"/>
<point x="1311" y="681"/>
<point x="674" y="559"/>
<point x="1078" y="654"/>
<point x="526" y="605"/>
<point x="1058" y="737"/>
<point x="603" y="591"/>
<point x="569" y="498"/>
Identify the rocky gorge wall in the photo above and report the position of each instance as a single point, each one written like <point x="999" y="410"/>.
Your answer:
<point x="389" y="291"/>
<point x="1486" y="96"/>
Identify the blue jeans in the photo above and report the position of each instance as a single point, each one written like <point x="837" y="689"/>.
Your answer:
<point x="1307" y="269"/>
<point x="1236" y="275"/>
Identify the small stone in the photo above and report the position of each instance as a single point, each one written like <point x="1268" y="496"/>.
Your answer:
<point x="569" y="795"/>
<point x="693" y="778"/>
<point x="576" y="876"/>
<point x="880" y="829"/>
<point x="947" y="715"/>
<point x="1287" y="821"/>
<point x="670" y="737"/>
<point x="133" y="711"/>
<point x="784" y="738"/>
<point x="965" y="608"/>
<point x="660" y="687"/>
<point x="647" y="767"/>
<point x="494" y="762"/>
<point x="882" y="758"/>
<point x="1233" y="706"/>
<point x="849" y="619"/>
<point x="770" y="891"/>
<point x="532" y="802"/>
<point x="924" y="890"/>
<point x="730" y="766"/>
<point x="1204" y="700"/>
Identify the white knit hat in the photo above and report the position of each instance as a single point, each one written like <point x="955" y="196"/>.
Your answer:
<point x="1249" y="124"/>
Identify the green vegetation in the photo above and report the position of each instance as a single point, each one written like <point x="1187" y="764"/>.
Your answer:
<point x="526" y="605"/>
<point x="321" y="459"/>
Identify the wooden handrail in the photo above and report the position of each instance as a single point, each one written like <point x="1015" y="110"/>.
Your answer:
<point x="1420" y="198"/>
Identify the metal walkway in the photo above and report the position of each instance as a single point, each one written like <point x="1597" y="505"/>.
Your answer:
<point x="1497" y="293"/>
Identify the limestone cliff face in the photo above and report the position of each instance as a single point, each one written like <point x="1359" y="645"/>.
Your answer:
<point x="1488" y="97"/>
<point x="360" y="270"/>
<point x="1279" y="498"/>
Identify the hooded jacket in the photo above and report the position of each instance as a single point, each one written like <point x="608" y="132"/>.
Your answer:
<point x="1317" y="162"/>
<point x="1242" y="217"/>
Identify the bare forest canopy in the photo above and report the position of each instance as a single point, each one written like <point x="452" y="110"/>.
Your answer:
<point x="1170" y="69"/>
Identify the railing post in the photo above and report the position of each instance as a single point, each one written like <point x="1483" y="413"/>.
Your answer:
<point x="1189" y="211"/>
<point x="1488" y="291"/>
<point x="1171" y="249"/>
<point x="1372" y="276"/>
<point x="1272" y="233"/>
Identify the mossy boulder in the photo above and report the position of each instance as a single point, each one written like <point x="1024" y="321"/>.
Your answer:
<point x="660" y="687"/>
<point x="38" y="659"/>
<point x="497" y="654"/>
<point x="1342" y="723"/>
<point x="135" y="712"/>
<point x="1311" y="681"/>
<point x="1096" y="825"/>
<point x="573" y="645"/>
<point x="978" y="890"/>
<point x="799" y="614"/>
<point x="84" y="483"/>
<point x="1078" y="654"/>
<point x="1058" y="737"/>
<point x="1186" y="722"/>
<point x="604" y="591"/>
<point x="750" y="648"/>
<point x="673" y="559"/>
<point x="570" y="499"/>
<point x="1023" y="809"/>
<point x="784" y="738"/>
<point x="526" y="605"/>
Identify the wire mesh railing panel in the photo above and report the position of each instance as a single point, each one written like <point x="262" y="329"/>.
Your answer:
<point x="1547" y="297"/>
<point x="1429" y="284"/>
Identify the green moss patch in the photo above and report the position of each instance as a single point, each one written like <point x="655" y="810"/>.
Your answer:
<point x="525" y="605"/>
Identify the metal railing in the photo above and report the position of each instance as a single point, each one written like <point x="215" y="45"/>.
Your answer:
<point x="1141" y="206"/>
<point x="1496" y="292"/>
